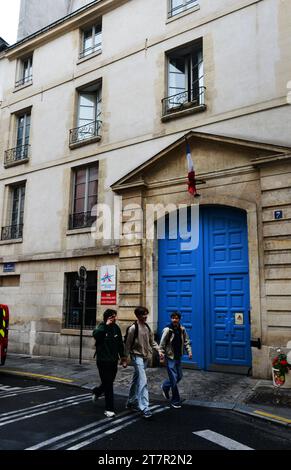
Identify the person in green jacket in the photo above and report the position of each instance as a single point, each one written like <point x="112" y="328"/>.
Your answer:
<point x="109" y="349"/>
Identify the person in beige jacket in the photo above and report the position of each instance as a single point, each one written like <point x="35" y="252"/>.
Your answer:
<point x="139" y="344"/>
<point x="173" y="342"/>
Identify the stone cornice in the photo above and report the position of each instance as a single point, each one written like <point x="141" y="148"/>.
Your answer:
<point x="277" y="158"/>
<point x="80" y="253"/>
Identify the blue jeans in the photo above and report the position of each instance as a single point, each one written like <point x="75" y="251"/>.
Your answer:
<point x="138" y="394"/>
<point x="175" y="374"/>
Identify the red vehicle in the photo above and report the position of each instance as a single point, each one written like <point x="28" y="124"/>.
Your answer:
<point x="4" y="322"/>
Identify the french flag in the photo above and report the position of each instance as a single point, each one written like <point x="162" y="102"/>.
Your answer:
<point x="191" y="173"/>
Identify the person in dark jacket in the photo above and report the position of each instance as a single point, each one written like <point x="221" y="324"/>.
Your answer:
<point x="174" y="341"/>
<point x="109" y="349"/>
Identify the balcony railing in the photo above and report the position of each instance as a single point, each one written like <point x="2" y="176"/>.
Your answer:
<point x="16" y="155"/>
<point x="90" y="50"/>
<point x="12" y="232"/>
<point x="81" y="220"/>
<point x="182" y="7"/>
<point x="187" y="99"/>
<point x="84" y="133"/>
<point x="23" y="81"/>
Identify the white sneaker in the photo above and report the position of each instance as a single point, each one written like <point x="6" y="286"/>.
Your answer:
<point x="109" y="414"/>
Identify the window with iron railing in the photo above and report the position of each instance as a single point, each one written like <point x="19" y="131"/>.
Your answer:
<point x="185" y="80"/>
<point x="20" y="153"/>
<point x="85" y="196"/>
<point x="179" y="6"/>
<point x="89" y="116"/>
<point x="14" y="229"/>
<point x="25" y="68"/>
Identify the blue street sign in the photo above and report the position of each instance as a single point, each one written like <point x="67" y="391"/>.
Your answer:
<point x="9" y="267"/>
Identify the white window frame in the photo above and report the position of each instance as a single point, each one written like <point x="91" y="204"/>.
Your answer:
<point x="91" y="132"/>
<point x="181" y="8"/>
<point x="25" y="71"/>
<point x="20" y="212"/>
<point x="189" y="78"/>
<point x="25" y="126"/>
<point x="95" y="30"/>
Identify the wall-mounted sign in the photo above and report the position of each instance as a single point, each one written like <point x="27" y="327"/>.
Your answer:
<point x="108" y="298"/>
<point x="9" y="268"/>
<point x="239" y="318"/>
<point x="278" y="215"/>
<point x="108" y="278"/>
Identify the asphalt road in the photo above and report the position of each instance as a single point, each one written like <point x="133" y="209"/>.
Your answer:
<point x="38" y="415"/>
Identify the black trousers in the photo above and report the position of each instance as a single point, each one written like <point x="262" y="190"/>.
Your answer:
<point x="107" y="372"/>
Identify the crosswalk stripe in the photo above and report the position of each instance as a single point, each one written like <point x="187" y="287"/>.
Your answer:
<point x="221" y="440"/>
<point x="99" y="424"/>
<point x="120" y="425"/>
<point x="23" y="391"/>
<point x="114" y="429"/>
<point x="80" y="436"/>
<point x="44" y="408"/>
<point x="35" y="407"/>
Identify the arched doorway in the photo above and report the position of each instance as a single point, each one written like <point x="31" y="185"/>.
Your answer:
<point x="210" y="287"/>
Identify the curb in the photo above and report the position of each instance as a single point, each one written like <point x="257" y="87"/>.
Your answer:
<point x="243" y="409"/>
<point x="32" y="375"/>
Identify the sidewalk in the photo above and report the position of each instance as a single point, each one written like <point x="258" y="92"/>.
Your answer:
<point x="199" y="388"/>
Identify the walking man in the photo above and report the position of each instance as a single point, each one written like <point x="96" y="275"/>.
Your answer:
<point x="139" y="343"/>
<point x="109" y="348"/>
<point x="174" y="340"/>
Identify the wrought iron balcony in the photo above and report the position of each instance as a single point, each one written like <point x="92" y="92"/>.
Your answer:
<point x="182" y="7"/>
<point x="23" y="81"/>
<point x="12" y="232"/>
<point x="16" y="155"/>
<point x="90" y="50"/>
<point x="187" y="99"/>
<point x="81" y="220"/>
<point x="85" y="133"/>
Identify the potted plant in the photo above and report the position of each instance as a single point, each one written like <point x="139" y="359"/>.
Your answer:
<point x="280" y="368"/>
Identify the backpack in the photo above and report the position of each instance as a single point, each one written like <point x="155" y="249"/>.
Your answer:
<point x="135" y="334"/>
<point x="171" y="334"/>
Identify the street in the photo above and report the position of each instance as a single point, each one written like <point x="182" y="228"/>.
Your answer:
<point x="42" y="415"/>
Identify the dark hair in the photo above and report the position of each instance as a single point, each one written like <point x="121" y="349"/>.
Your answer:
<point x="141" y="311"/>
<point x="176" y="314"/>
<point x="108" y="313"/>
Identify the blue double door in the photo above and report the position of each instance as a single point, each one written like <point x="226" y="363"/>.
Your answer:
<point x="210" y="287"/>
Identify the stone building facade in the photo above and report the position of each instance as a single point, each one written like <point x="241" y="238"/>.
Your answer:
<point x="103" y="101"/>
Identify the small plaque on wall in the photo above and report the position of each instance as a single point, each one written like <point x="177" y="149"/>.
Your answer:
<point x="278" y="215"/>
<point x="108" y="298"/>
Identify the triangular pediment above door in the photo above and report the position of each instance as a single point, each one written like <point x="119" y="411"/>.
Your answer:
<point x="211" y="154"/>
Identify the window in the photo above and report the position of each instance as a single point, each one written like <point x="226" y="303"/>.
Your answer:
<point x="15" y="213"/>
<point x="23" y="131"/>
<point x="178" y="6"/>
<point x="89" y="113"/>
<point x="185" y="79"/>
<point x="91" y="40"/>
<point x="73" y="309"/>
<point x="85" y="195"/>
<point x="20" y="152"/>
<point x="25" y="76"/>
